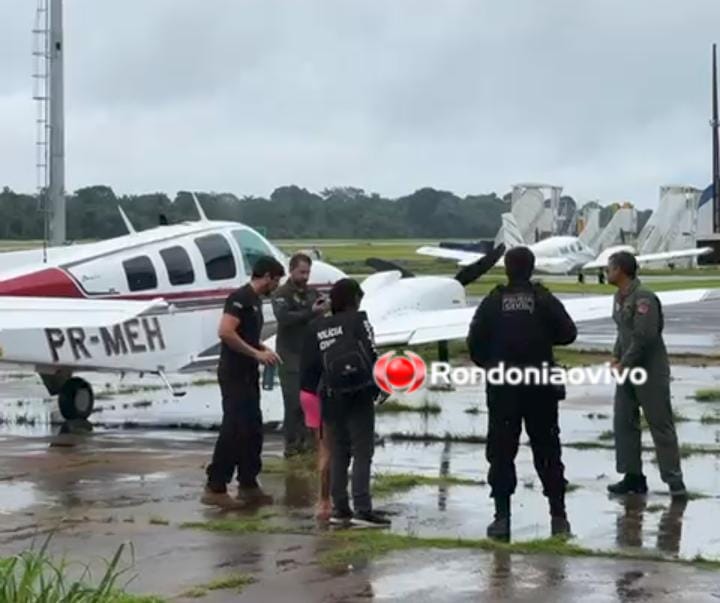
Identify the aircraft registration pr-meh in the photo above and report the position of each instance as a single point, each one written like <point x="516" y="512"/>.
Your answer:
<point x="134" y="336"/>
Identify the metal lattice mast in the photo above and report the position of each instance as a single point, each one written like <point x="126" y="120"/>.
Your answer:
<point x="56" y="188"/>
<point x="41" y="96"/>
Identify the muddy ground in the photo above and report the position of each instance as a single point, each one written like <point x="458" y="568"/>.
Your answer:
<point x="128" y="477"/>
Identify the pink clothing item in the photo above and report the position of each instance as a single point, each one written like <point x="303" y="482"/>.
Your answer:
<point x="310" y="403"/>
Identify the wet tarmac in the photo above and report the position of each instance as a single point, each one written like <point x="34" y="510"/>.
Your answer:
<point x="689" y="329"/>
<point x="135" y="474"/>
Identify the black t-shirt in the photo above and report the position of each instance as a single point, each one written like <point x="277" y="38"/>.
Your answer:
<point x="245" y="305"/>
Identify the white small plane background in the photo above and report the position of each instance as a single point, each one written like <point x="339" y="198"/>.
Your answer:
<point x="559" y="254"/>
<point x="150" y="302"/>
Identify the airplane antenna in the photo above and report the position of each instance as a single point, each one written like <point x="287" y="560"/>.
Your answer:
<point x="203" y="217"/>
<point x="126" y="220"/>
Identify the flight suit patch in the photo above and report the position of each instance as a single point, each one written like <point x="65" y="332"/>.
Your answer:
<point x="643" y="307"/>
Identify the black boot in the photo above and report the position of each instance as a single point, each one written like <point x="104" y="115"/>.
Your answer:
<point x="559" y="525"/>
<point x="630" y="484"/>
<point x="499" y="529"/>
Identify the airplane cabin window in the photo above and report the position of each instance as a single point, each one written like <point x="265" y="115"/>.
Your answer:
<point x="252" y="247"/>
<point x="178" y="265"/>
<point x="140" y="273"/>
<point x="218" y="257"/>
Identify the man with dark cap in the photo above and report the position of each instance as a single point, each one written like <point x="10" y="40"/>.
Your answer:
<point x="517" y="325"/>
<point x="340" y="354"/>
<point x="637" y="312"/>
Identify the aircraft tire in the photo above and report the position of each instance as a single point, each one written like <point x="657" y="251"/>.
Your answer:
<point x="76" y="399"/>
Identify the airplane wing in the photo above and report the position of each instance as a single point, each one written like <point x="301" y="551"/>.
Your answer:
<point x="103" y="335"/>
<point x="648" y="258"/>
<point x="463" y="258"/>
<point x="417" y="327"/>
<point x="550" y="265"/>
<point x="17" y="313"/>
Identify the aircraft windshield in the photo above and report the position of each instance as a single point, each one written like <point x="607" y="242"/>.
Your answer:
<point x="252" y="246"/>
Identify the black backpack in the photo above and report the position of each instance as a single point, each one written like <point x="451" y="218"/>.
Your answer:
<point x="347" y="366"/>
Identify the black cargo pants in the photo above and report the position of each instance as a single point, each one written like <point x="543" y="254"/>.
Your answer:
<point x="508" y="407"/>
<point x="352" y="428"/>
<point x="240" y="440"/>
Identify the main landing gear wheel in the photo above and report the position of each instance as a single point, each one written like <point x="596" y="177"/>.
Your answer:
<point x="76" y="399"/>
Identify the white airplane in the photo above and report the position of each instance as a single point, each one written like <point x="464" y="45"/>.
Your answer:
<point x="149" y="302"/>
<point x="145" y="302"/>
<point x="561" y="254"/>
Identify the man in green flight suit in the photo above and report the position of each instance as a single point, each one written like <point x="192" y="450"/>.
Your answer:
<point x="637" y="312"/>
<point x="295" y="304"/>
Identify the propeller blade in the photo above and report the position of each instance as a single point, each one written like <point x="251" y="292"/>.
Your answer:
<point x="474" y="271"/>
<point x="381" y="265"/>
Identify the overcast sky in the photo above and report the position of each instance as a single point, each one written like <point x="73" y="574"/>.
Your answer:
<point x="608" y="98"/>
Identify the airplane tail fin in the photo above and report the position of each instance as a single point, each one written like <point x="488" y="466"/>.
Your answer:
<point x="510" y="232"/>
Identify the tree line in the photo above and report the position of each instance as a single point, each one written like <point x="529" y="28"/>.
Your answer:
<point x="289" y="212"/>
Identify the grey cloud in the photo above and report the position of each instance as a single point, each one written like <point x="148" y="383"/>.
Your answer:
<point x="610" y="99"/>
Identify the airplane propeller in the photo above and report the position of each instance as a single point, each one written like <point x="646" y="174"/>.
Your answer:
<point x="474" y="271"/>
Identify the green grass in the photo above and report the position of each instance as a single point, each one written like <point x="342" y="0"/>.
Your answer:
<point x="571" y="357"/>
<point x="677" y="417"/>
<point x="396" y="407"/>
<point x="710" y="419"/>
<point x="392" y="483"/>
<point x="708" y="395"/>
<point x="159" y="521"/>
<point x="236" y="582"/>
<point x="606" y="435"/>
<point x="35" y="577"/>
<point x="256" y="524"/>
<point x="302" y="464"/>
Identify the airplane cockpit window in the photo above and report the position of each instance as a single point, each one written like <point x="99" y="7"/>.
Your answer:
<point x="218" y="257"/>
<point x="178" y="265"/>
<point x="140" y="273"/>
<point x="252" y="246"/>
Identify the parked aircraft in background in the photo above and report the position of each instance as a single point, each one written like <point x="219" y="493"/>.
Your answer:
<point x="559" y="255"/>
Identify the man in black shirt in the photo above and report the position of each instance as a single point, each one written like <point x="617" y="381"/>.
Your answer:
<point x="517" y="325"/>
<point x="241" y="437"/>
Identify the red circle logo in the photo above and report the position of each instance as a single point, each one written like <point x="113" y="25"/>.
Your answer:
<point x="405" y="373"/>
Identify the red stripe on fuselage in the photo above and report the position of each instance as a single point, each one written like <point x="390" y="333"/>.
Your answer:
<point x="55" y="282"/>
<point x="49" y="282"/>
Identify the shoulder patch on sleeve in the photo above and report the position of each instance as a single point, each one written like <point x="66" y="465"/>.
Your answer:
<point x="643" y="306"/>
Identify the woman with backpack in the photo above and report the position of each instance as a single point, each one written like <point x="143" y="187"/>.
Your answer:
<point x="340" y="353"/>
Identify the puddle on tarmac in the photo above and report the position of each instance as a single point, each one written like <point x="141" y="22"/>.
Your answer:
<point x="598" y="521"/>
<point x="16" y="496"/>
